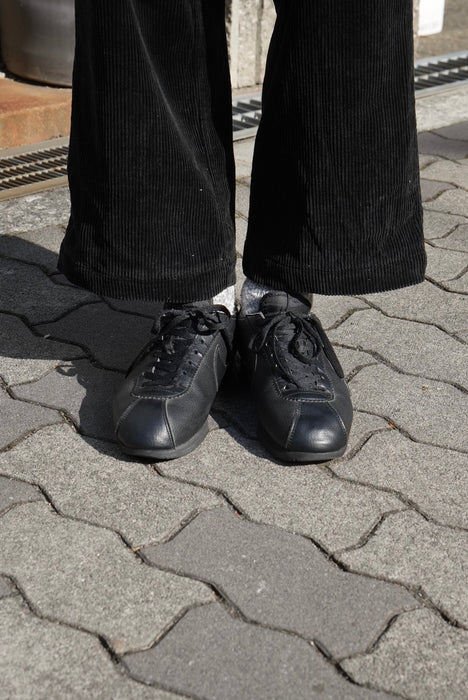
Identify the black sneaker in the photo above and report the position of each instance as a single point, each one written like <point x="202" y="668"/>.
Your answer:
<point x="303" y="405"/>
<point x="161" y="409"/>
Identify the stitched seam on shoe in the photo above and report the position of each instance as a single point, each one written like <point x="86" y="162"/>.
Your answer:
<point x="127" y="411"/>
<point x="293" y="428"/>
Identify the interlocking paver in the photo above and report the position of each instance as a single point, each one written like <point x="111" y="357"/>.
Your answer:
<point x="435" y="479"/>
<point x="434" y="144"/>
<point x="412" y="347"/>
<point x="457" y="132"/>
<point x="332" y="310"/>
<point x="420" y="657"/>
<point x="457" y="240"/>
<point x="215" y="656"/>
<point x="451" y="201"/>
<point x="431" y="189"/>
<point x="13" y="491"/>
<point x="409" y="549"/>
<point x="93" y="481"/>
<point x="303" y="499"/>
<point x="444" y="265"/>
<point x="242" y="199"/>
<point x="283" y="581"/>
<point x="27" y="291"/>
<point x="429" y="411"/>
<point x="351" y="360"/>
<point x="40" y="660"/>
<point x="114" y="338"/>
<point x="85" y="576"/>
<point x="6" y="588"/>
<point x="26" y="357"/>
<point x="20" y="418"/>
<point x="437" y="224"/>
<point x="83" y="391"/>
<point x="39" y="246"/>
<point x="425" y="302"/>
<point x="35" y="211"/>
<point x="449" y="172"/>
<point x="458" y="285"/>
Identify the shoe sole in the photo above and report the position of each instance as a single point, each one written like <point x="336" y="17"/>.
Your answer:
<point x="284" y="455"/>
<point x="172" y="453"/>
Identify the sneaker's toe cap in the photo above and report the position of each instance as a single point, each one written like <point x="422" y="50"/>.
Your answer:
<point x="144" y="426"/>
<point x="315" y="432"/>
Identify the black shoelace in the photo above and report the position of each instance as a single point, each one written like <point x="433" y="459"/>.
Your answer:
<point x="175" y="333"/>
<point x="300" y="338"/>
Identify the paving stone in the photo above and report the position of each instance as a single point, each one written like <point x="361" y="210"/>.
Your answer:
<point x="434" y="144"/>
<point x="41" y="660"/>
<point x="212" y="655"/>
<point x="304" y="499"/>
<point x="39" y="246"/>
<point x="92" y="481"/>
<point x="242" y="200"/>
<point x="20" y="418"/>
<point x="6" y="588"/>
<point x="113" y="338"/>
<point x="443" y="265"/>
<point x="152" y="309"/>
<point x="408" y="549"/>
<point x="424" y="302"/>
<point x="243" y="153"/>
<point x="27" y="291"/>
<point x="234" y="407"/>
<point x="352" y="360"/>
<point x="447" y="171"/>
<point x="433" y="478"/>
<point x="26" y="357"/>
<point x="281" y="580"/>
<point x="459" y="132"/>
<point x="451" y="201"/>
<point x="417" y="348"/>
<point x="331" y="310"/>
<point x="420" y="657"/>
<point x="458" y="285"/>
<point x="241" y="233"/>
<point x="84" y="576"/>
<point x="425" y="160"/>
<point x="429" y="411"/>
<point x="431" y="189"/>
<point x="457" y="240"/>
<point x="81" y="390"/>
<point x="437" y="224"/>
<point x="13" y="491"/>
<point x="34" y="211"/>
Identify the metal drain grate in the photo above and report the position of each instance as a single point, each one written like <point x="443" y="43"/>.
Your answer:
<point x="29" y="171"/>
<point x="434" y="74"/>
<point x="23" y="172"/>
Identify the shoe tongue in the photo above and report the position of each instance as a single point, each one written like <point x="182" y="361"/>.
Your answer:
<point x="277" y="302"/>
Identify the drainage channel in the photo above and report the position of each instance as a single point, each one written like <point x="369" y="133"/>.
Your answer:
<point x="23" y="171"/>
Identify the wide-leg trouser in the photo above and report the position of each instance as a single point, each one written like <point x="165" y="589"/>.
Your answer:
<point x="335" y="201"/>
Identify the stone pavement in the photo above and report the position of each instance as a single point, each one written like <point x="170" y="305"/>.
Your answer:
<point x="224" y="574"/>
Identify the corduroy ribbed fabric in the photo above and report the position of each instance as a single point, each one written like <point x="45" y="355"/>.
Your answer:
<point x="335" y="203"/>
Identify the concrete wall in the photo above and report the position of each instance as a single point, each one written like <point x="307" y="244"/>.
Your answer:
<point x="249" y="24"/>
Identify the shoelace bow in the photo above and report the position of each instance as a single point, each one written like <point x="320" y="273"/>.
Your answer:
<point x="304" y="345"/>
<point x="173" y="330"/>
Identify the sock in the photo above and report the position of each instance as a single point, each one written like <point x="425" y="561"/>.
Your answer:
<point x="252" y="294"/>
<point x="227" y="297"/>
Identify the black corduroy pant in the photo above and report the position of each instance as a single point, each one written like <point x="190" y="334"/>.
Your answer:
<point x="335" y="202"/>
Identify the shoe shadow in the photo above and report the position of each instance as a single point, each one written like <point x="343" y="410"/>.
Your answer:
<point x="66" y="349"/>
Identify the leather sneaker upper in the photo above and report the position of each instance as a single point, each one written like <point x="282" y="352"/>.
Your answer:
<point x="303" y="404"/>
<point x="161" y="407"/>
